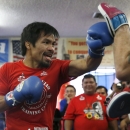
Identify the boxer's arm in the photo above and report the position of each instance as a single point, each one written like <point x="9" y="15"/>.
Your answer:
<point x="3" y="105"/>
<point x="98" y="37"/>
<point x="119" y="29"/>
<point x="121" y="49"/>
<point x="81" y="66"/>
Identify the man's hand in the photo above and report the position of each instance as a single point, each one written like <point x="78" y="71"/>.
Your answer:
<point x="67" y="98"/>
<point x="117" y="88"/>
<point x="29" y="90"/>
<point x="123" y="125"/>
<point x="98" y="37"/>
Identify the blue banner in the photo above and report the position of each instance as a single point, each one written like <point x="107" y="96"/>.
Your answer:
<point x="4" y="49"/>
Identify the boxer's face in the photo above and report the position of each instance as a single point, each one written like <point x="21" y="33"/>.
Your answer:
<point x="89" y="85"/>
<point x="43" y="50"/>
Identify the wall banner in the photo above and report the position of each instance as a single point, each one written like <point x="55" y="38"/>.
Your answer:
<point x="76" y="48"/>
<point x="4" y="50"/>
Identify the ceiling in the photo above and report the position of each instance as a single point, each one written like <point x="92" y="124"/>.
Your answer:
<point x="71" y="18"/>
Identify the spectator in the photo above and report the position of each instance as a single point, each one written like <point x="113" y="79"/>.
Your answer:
<point x="101" y="90"/>
<point x="70" y="93"/>
<point x="87" y="111"/>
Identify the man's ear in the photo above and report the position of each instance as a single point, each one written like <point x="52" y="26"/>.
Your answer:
<point x="27" y="44"/>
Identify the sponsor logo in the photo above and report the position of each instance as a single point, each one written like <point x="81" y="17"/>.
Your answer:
<point x="81" y="98"/>
<point x="99" y="98"/>
<point x="43" y="73"/>
<point x="21" y="77"/>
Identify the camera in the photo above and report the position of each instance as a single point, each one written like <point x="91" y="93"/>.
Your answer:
<point x="120" y="86"/>
<point x="106" y="102"/>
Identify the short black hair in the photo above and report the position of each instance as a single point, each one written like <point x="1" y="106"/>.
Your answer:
<point x="89" y="76"/>
<point x="32" y="32"/>
<point x="71" y="87"/>
<point x="100" y="86"/>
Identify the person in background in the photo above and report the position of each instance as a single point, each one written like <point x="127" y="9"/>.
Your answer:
<point x="88" y="111"/>
<point x="101" y="90"/>
<point x="69" y="93"/>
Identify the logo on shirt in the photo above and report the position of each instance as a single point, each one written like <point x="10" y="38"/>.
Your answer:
<point x="21" y="77"/>
<point x="99" y="98"/>
<point x="43" y="73"/>
<point x="40" y="106"/>
<point x="81" y="98"/>
<point x="95" y="110"/>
